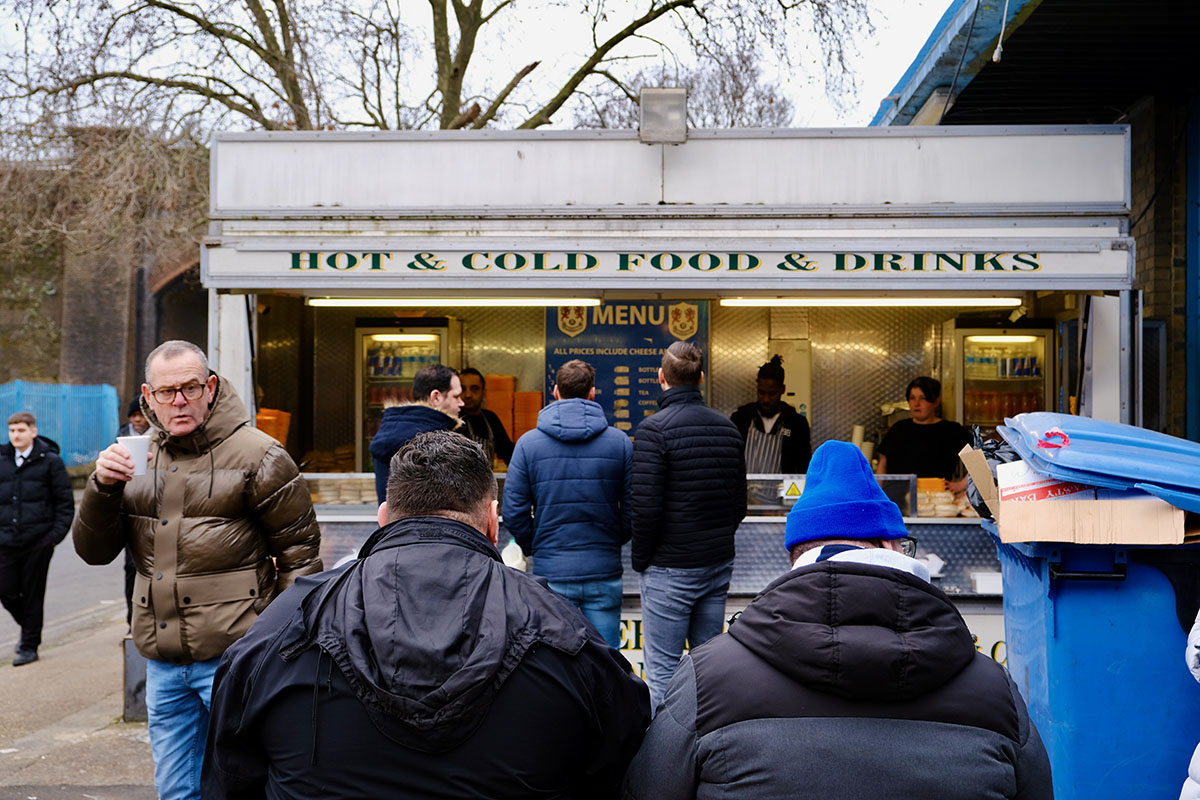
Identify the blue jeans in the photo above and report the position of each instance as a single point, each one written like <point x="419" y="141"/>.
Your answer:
<point x="679" y="605"/>
<point x="600" y="602"/>
<point x="178" y="698"/>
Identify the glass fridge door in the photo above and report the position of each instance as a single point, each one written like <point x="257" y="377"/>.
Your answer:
<point x="387" y="362"/>
<point x="1003" y="374"/>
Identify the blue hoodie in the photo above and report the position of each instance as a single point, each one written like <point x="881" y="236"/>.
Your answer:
<point x="567" y="493"/>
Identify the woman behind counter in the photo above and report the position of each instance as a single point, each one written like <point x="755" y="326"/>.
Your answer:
<point x="926" y="445"/>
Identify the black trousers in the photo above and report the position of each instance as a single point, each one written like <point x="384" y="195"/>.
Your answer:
<point x="23" y="573"/>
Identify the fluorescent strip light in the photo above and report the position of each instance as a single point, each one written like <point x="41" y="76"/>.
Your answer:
<point x="405" y="337"/>
<point x="462" y="302"/>
<point x="1002" y="339"/>
<point x="952" y="302"/>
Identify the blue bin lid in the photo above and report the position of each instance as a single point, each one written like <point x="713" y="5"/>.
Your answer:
<point x="1108" y="454"/>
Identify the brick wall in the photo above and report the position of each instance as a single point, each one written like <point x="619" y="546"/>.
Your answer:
<point x="1160" y="229"/>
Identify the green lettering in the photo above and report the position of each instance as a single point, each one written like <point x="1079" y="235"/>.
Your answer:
<point x="697" y="262"/>
<point x="796" y="262"/>
<point x="673" y="260"/>
<point x="627" y="262"/>
<point x="313" y="260"/>
<point x="947" y="259"/>
<point x="539" y="264"/>
<point x="893" y="260"/>
<point x="982" y="262"/>
<point x="469" y="262"/>
<point x="736" y="259"/>
<point x="918" y="262"/>
<point x="350" y="261"/>
<point x="589" y="262"/>
<point x="427" y="261"/>
<point x="377" y="259"/>
<point x="839" y="262"/>
<point x="1030" y="259"/>
<point x="510" y="262"/>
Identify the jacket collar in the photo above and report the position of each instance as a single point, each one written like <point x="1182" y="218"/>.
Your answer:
<point x="681" y="395"/>
<point x="410" y="530"/>
<point x="225" y="415"/>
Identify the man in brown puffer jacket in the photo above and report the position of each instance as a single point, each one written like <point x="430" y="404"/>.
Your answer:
<point x="220" y="523"/>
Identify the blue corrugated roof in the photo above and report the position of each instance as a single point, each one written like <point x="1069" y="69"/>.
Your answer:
<point x="938" y="60"/>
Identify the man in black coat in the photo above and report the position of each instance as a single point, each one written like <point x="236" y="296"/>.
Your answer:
<point x="36" y="509"/>
<point x="689" y="496"/>
<point x="849" y="677"/>
<point x="425" y="669"/>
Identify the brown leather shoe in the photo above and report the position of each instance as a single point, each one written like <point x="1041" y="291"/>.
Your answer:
<point x="26" y="655"/>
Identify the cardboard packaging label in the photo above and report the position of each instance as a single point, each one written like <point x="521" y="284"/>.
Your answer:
<point x="1032" y="507"/>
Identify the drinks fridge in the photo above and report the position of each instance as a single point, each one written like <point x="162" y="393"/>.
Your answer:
<point x="1001" y="373"/>
<point x="388" y="353"/>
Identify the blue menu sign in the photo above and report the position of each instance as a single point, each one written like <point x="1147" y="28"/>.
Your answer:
<point x="624" y="341"/>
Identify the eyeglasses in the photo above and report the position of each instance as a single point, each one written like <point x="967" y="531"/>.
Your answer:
<point x="190" y="391"/>
<point x="908" y="546"/>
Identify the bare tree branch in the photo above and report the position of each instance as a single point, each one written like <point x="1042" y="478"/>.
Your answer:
<point x="542" y="115"/>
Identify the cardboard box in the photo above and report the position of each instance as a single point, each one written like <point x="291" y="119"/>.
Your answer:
<point x="1048" y="518"/>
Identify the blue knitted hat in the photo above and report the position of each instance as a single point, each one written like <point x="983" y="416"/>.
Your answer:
<point x="842" y="500"/>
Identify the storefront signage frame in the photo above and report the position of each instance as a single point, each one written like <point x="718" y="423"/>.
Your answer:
<point x="945" y="265"/>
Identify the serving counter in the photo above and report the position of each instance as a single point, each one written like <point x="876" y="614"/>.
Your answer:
<point x="967" y="551"/>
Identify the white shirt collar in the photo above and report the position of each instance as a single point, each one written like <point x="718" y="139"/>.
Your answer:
<point x="878" y="556"/>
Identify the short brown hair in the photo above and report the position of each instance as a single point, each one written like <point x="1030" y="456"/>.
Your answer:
<point x="23" y="417"/>
<point x="439" y="474"/>
<point x="575" y="379"/>
<point x="682" y="364"/>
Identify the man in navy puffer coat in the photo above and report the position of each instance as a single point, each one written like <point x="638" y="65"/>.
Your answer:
<point x="567" y="499"/>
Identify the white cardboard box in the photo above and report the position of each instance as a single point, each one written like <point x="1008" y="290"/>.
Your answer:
<point x="1039" y="514"/>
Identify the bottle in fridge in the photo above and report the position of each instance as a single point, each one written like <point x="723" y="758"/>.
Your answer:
<point x="1000" y="373"/>
<point x="389" y="352"/>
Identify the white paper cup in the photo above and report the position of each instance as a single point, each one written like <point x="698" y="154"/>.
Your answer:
<point x="139" y="451"/>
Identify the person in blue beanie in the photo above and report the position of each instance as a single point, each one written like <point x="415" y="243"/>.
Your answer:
<point x="850" y="676"/>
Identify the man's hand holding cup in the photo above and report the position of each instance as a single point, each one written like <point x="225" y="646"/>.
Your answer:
<point x="122" y="460"/>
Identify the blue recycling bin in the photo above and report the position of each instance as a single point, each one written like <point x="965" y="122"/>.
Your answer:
<point x="1095" y="639"/>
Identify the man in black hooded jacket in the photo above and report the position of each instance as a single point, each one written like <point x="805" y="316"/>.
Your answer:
<point x="849" y="677"/>
<point x="425" y="669"/>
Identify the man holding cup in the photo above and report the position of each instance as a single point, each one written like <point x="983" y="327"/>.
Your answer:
<point x="219" y="522"/>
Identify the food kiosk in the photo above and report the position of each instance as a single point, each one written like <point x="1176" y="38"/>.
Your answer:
<point x="865" y="256"/>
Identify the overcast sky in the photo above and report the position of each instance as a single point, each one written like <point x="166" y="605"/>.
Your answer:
<point x="901" y="28"/>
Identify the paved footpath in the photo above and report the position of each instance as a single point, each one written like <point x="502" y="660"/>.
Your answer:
<point x="61" y="731"/>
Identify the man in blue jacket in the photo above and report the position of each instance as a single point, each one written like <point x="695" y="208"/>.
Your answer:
<point x="36" y="508"/>
<point x="437" y="398"/>
<point x="567" y="499"/>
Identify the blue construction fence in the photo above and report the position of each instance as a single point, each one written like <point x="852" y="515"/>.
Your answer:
<point x="82" y="419"/>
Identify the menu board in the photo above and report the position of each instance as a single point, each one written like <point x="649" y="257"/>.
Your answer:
<point x="625" y="342"/>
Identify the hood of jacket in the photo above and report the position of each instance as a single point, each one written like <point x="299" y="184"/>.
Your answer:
<point x="572" y="420"/>
<point x="427" y="625"/>
<point x="225" y="415"/>
<point x="857" y="631"/>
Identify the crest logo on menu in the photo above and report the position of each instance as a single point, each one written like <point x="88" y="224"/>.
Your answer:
<point x="683" y="320"/>
<point x="572" y="320"/>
